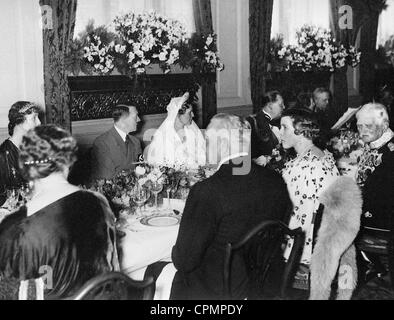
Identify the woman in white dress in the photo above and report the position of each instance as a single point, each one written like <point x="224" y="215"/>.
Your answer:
<point x="178" y="142"/>
<point x="306" y="176"/>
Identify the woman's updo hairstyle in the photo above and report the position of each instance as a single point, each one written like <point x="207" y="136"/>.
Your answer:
<point x="46" y="149"/>
<point x="18" y="112"/>
<point x="184" y="108"/>
<point x="304" y="122"/>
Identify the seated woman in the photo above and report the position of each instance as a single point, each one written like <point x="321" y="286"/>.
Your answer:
<point x="307" y="175"/>
<point x="62" y="234"/>
<point x="178" y="141"/>
<point x="22" y="117"/>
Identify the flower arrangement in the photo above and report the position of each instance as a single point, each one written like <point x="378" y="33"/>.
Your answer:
<point x="345" y="143"/>
<point x="279" y="157"/>
<point x="317" y="50"/>
<point x="176" y="182"/>
<point x="201" y="53"/>
<point x="148" y="38"/>
<point x="140" y="40"/>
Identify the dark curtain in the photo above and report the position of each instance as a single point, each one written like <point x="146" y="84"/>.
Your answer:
<point x="260" y="20"/>
<point x="369" y="31"/>
<point x="56" y="37"/>
<point x="340" y="92"/>
<point x="203" y="19"/>
<point x="365" y="20"/>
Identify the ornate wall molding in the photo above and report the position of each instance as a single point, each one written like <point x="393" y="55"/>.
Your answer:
<point x="93" y="97"/>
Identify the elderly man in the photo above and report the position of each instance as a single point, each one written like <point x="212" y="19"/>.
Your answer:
<point x="375" y="172"/>
<point x="222" y="209"/>
<point x="321" y="100"/>
<point x="117" y="150"/>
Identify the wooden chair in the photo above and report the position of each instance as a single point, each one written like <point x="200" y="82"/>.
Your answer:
<point x="377" y="244"/>
<point x="262" y="249"/>
<point x="116" y="286"/>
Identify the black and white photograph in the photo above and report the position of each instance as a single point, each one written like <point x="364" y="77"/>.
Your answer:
<point x="196" y="155"/>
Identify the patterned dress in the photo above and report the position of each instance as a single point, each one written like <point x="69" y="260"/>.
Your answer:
<point x="307" y="177"/>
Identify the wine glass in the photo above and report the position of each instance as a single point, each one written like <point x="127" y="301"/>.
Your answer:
<point x="140" y="196"/>
<point x="156" y="188"/>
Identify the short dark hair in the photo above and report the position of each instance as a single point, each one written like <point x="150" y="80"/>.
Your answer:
<point x="18" y="112"/>
<point x="321" y="90"/>
<point x="304" y="121"/>
<point x="120" y="111"/>
<point x="270" y="97"/>
<point x="46" y="149"/>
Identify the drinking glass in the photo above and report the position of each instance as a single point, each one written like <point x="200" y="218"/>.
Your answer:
<point x="156" y="188"/>
<point x="140" y="196"/>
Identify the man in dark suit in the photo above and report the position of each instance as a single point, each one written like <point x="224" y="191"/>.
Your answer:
<point x="265" y="135"/>
<point x="375" y="173"/>
<point x="222" y="209"/>
<point x="117" y="150"/>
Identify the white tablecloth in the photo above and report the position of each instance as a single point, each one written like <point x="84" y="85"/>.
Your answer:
<point x="143" y="245"/>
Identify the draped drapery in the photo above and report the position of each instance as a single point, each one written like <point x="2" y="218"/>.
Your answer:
<point x="369" y="33"/>
<point x="260" y="20"/>
<point x="204" y="25"/>
<point x="365" y="20"/>
<point x="57" y="33"/>
<point x="346" y="37"/>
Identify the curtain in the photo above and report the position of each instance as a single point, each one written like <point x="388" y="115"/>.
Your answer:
<point x="204" y="25"/>
<point x="371" y="10"/>
<point x="56" y="37"/>
<point x="104" y="11"/>
<point x="260" y="18"/>
<point x="386" y="23"/>
<point x="290" y="15"/>
<point x="346" y="37"/>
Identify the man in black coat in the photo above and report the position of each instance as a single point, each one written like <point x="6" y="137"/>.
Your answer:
<point x="116" y="149"/>
<point x="222" y="209"/>
<point x="264" y="137"/>
<point x="375" y="173"/>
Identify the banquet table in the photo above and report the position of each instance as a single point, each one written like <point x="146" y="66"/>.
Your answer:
<point x="144" y="244"/>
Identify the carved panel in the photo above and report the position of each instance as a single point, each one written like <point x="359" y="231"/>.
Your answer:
<point x="94" y="97"/>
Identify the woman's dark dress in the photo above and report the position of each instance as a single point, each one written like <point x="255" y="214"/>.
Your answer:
<point x="10" y="176"/>
<point x="70" y="236"/>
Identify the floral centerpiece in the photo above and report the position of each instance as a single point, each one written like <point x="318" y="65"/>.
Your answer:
<point x="176" y="182"/>
<point x="316" y="50"/>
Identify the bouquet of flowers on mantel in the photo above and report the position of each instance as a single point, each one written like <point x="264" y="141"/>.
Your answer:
<point x="140" y="40"/>
<point x="317" y="50"/>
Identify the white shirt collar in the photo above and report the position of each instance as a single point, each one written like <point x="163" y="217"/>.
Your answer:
<point x="268" y="115"/>
<point x="122" y="134"/>
<point x="386" y="137"/>
<point x="233" y="156"/>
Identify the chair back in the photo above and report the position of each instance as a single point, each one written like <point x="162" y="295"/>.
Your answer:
<point x="116" y="286"/>
<point x="261" y="249"/>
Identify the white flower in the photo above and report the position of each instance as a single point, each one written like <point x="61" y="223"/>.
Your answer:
<point x="139" y="171"/>
<point x="209" y="40"/>
<point x="163" y="56"/>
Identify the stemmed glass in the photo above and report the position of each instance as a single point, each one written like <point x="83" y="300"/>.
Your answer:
<point x="140" y="196"/>
<point x="156" y="188"/>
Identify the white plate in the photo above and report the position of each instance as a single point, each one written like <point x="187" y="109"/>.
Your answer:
<point x="160" y="221"/>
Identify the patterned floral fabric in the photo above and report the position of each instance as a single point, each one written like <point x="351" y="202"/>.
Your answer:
<point x="307" y="177"/>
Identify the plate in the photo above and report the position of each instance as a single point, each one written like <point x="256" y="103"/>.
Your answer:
<point x="160" y="221"/>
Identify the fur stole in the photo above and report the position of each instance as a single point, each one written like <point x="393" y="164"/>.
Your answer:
<point x="334" y="246"/>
